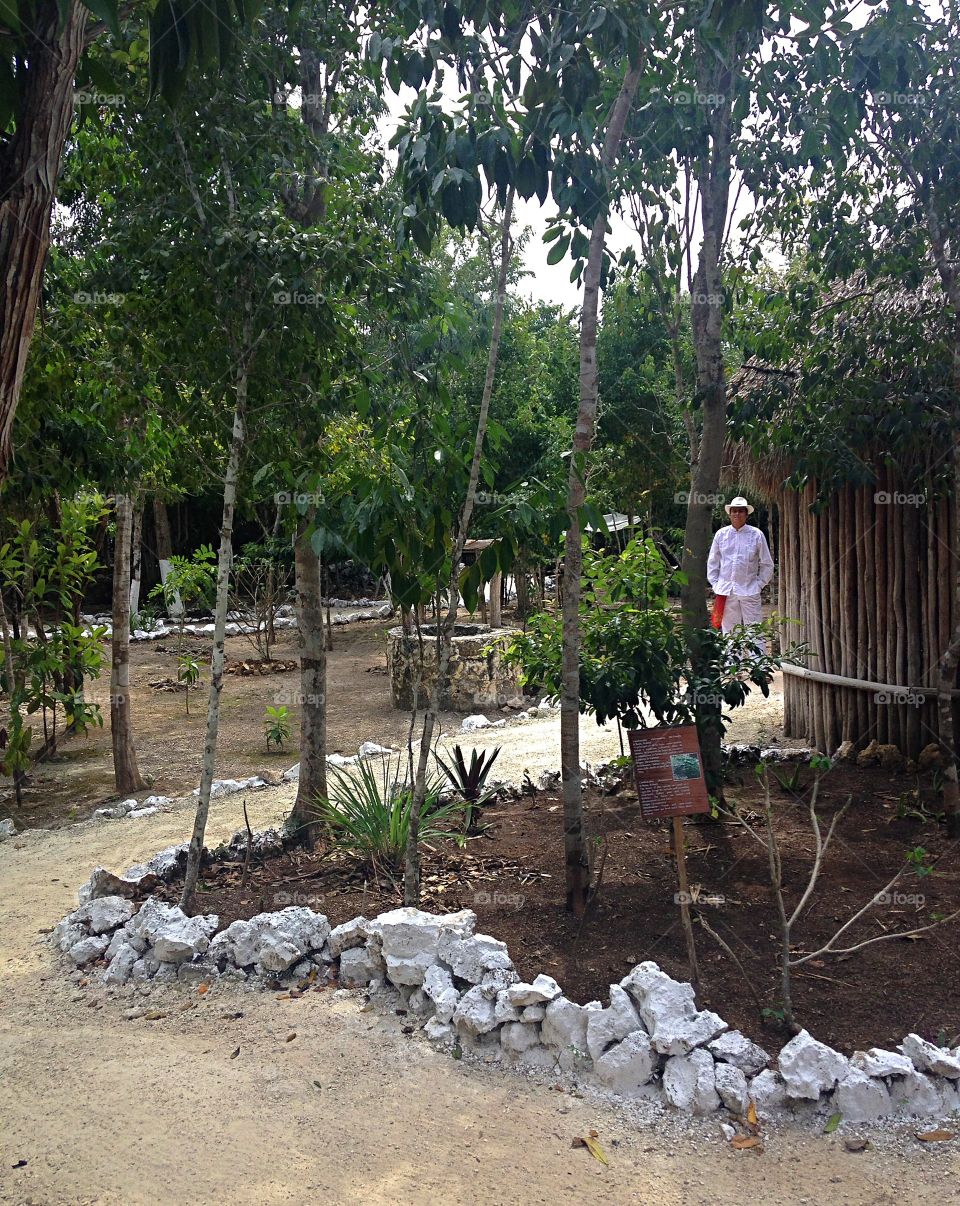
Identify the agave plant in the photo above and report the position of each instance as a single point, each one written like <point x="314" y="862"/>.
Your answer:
<point x="470" y="781"/>
<point x="368" y="813"/>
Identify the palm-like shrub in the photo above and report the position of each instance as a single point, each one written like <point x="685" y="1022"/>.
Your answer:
<point x="470" y="781"/>
<point x="367" y="813"/>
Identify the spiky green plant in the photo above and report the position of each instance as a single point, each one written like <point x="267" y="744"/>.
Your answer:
<point x="470" y="781"/>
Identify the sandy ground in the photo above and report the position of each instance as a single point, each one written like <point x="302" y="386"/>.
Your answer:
<point x="96" y="1108"/>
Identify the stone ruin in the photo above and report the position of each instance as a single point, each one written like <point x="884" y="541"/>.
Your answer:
<point x="476" y="675"/>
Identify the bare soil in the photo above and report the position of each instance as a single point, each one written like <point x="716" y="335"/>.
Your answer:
<point x="512" y="877"/>
<point x="101" y="1108"/>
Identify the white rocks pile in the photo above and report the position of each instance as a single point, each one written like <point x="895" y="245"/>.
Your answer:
<point x="132" y="809"/>
<point x="8" y="829"/>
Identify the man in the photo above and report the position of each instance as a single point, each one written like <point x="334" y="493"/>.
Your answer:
<point x="739" y="566"/>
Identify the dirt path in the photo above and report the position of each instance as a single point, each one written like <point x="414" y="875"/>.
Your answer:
<point x="108" y="1110"/>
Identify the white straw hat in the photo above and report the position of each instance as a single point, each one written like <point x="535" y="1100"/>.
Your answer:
<point x="739" y="501"/>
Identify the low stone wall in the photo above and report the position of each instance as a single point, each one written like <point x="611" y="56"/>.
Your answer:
<point x="649" y="1041"/>
<point x="476" y="676"/>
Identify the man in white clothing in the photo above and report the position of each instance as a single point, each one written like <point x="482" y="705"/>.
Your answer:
<point x="739" y="566"/>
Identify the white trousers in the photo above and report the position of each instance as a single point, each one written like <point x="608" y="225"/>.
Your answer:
<point x="740" y="609"/>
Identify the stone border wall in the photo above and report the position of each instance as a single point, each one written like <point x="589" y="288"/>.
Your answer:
<point x="649" y="1041"/>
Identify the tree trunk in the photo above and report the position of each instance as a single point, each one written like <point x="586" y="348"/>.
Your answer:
<point x="224" y="562"/>
<point x="445" y="626"/>
<point x="713" y="181"/>
<point x="29" y="165"/>
<point x="125" y="769"/>
<point x="576" y="858"/>
<point x="313" y="685"/>
<point x="136" y="556"/>
<point x="161" y="523"/>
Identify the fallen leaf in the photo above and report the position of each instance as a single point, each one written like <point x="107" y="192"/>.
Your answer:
<point x="854" y="1144"/>
<point x="235" y="1054"/>
<point x="318" y="1084"/>
<point x="19" y="1164"/>
<point x="740" y="1143"/>
<point x="937" y="1136"/>
<point x="154" y="1015"/>
<point x="291" y="1036"/>
<point x="832" y="1123"/>
<point x="202" y="988"/>
<point x="592" y="1146"/>
<point x="188" y="1005"/>
<point x="752" y="1114"/>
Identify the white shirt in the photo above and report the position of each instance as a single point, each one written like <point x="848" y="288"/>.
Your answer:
<point x="739" y="563"/>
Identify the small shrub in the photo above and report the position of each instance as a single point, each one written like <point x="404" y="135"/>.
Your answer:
<point x="470" y="781"/>
<point x="276" y="726"/>
<point x="188" y="673"/>
<point x="367" y="813"/>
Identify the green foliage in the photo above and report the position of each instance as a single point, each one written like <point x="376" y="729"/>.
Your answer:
<point x="276" y="726"/>
<point x="188" y="673"/>
<point x="470" y="781"/>
<point x="367" y="814"/>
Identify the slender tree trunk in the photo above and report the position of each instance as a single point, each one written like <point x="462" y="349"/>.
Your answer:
<point x="446" y="625"/>
<point x="224" y="562"/>
<point x="313" y="685"/>
<point x="713" y="180"/>
<point x="125" y="769"/>
<point x="575" y="847"/>
<point x="29" y="165"/>
<point x="12" y="688"/>
<point x="161" y="523"/>
<point x="136" y="556"/>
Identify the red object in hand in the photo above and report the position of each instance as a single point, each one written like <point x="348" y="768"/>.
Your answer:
<point x="716" y="616"/>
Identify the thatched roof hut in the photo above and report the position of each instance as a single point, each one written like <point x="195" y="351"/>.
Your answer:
<point x="849" y="444"/>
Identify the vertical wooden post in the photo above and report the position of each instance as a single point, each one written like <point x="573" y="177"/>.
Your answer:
<point x="684" y="896"/>
<point x="496" y="583"/>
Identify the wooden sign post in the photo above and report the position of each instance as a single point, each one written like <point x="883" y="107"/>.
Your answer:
<point x="668" y="771"/>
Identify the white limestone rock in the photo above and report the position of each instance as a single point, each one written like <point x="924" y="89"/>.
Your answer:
<point x="8" y="829"/>
<point x="182" y="939"/>
<point x="860" y="1097"/>
<point x="732" y="1086"/>
<point x="345" y="937"/>
<point x="876" y="1062"/>
<point x="121" y="964"/>
<point x="735" y="1048"/>
<point x="517" y="1037"/>
<point x="472" y="724"/>
<point x="439" y="987"/>
<point x="470" y="958"/>
<point x="370" y="749"/>
<point x="679" y="1036"/>
<point x="359" y="965"/>
<point x="917" y="1094"/>
<point x="629" y="1065"/>
<point x="67" y="933"/>
<point x="608" y="1026"/>
<point x="88" y="949"/>
<point x="927" y="1057"/>
<point x="196" y="972"/>
<point x="410" y="938"/>
<point x="659" y="998"/>
<point x="437" y="1031"/>
<point x="809" y="1067"/>
<point x="565" y="1028"/>
<point x="768" y="1093"/>
<point x="499" y="978"/>
<point x="689" y="1082"/>
<point x="531" y="1013"/>
<point x="504" y="1011"/>
<point x="272" y="942"/>
<point x="475" y="1013"/>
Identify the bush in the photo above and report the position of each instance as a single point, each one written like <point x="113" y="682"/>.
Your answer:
<point x="367" y="813"/>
